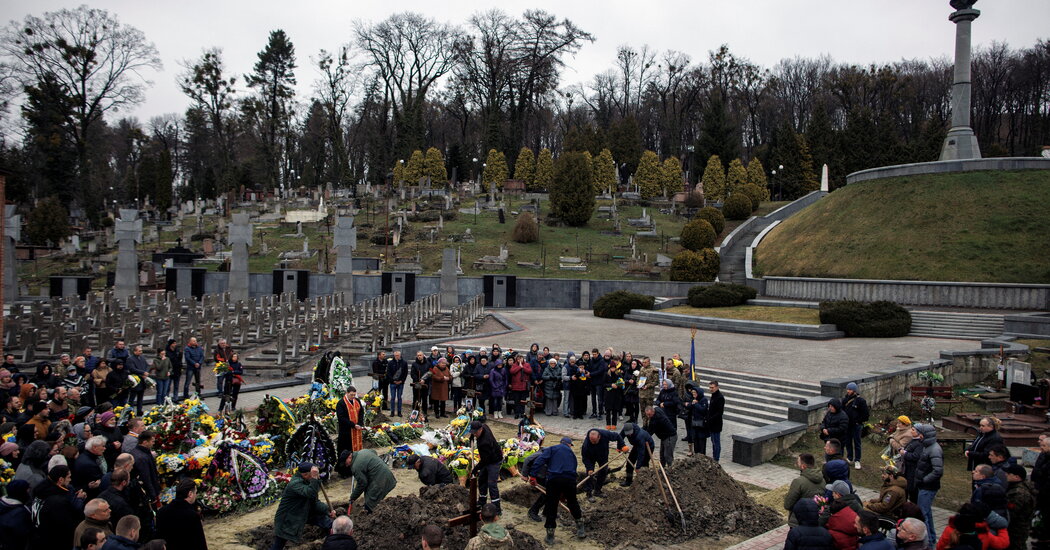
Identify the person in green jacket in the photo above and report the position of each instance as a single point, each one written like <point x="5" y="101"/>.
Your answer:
<point x="372" y="477"/>
<point x="162" y="374"/>
<point x="299" y="506"/>
<point x="808" y="484"/>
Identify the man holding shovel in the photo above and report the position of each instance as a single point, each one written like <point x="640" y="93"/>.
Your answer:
<point x="595" y="455"/>
<point x="560" y="462"/>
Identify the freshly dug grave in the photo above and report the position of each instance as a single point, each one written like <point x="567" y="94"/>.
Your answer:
<point x="634" y="517"/>
<point x="397" y="523"/>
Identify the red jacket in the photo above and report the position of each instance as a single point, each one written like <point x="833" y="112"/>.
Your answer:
<point x="843" y="528"/>
<point x="990" y="540"/>
<point x="519" y="376"/>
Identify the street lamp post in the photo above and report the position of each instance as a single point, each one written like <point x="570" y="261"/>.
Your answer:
<point x="780" y="183"/>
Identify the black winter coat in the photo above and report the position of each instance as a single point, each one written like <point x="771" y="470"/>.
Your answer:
<point x="433" y="472"/>
<point x="179" y="524"/>
<point x="59" y="516"/>
<point x="978" y="451"/>
<point x="856" y="409"/>
<point x="339" y="542"/>
<point x="118" y="503"/>
<point x="661" y="425"/>
<point x="489" y="450"/>
<point x="836" y="423"/>
<point x="16" y="525"/>
<point x="669" y="401"/>
<point x="714" y="413"/>
<point x="807" y="535"/>
<point x="912" y="454"/>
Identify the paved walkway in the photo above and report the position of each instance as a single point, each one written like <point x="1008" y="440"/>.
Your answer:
<point x="796" y="359"/>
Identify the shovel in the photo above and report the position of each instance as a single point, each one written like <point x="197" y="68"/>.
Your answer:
<point x="600" y="468"/>
<point x="544" y="491"/>
<point x="670" y="515"/>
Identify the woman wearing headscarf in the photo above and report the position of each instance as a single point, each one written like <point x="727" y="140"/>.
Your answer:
<point x="440" y="377"/>
<point x="10" y="453"/>
<point x="117" y="381"/>
<point x="44" y="377"/>
<point x="696" y="410"/>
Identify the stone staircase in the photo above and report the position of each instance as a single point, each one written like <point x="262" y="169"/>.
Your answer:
<point x="755" y="399"/>
<point x="942" y="324"/>
<point x="732" y="257"/>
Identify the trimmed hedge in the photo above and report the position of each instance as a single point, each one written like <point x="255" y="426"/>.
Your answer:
<point x="695" y="266"/>
<point x="737" y="207"/>
<point x="868" y="320"/>
<point x="714" y="217"/>
<point x="721" y="295"/>
<point x="754" y="193"/>
<point x="616" y="304"/>
<point x="697" y="235"/>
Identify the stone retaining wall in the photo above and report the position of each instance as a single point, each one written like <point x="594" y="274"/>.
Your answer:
<point x="919" y="293"/>
<point x="945" y="166"/>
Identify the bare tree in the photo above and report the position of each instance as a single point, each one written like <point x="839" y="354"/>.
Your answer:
<point x="410" y="53"/>
<point x="97" y="62"/>
<point x="335" y="88"/>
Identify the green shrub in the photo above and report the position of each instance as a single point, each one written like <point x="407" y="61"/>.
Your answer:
<point x="697" y="235"/>
<point x="695" y="266"/>
<point x="714" y="217"/>
<point x="694" y="200"/>
<point x="721" y="295"/>
<point x="737" y="207"/>
<point x="754" y="193"/>
<point x="616" y="304"/>
<point x="872" y="320"/>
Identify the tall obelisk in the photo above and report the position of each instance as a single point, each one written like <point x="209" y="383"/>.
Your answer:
<point x="961" y="143"/>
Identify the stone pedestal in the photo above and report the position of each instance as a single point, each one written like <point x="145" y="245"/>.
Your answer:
<point x="345" y="243"/>
<point x="128" y="234"/>
<point x="240" y="239"/>
<point x="961" y="143"/>
<point x="12" y="232"/>
<point x="449" y="280"/>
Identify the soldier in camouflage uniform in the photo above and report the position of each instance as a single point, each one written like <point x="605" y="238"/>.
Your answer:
<point x="647" y="392"/>
<point x="675" y="374"/>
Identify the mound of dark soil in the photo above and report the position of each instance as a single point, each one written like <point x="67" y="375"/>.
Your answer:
<point x="397" y="523"/>
<point x="713" y="503"/>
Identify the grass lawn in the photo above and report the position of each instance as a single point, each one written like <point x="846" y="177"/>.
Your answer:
<point x="973" y="226"/>
<point x="955" y="485"/>
<point x="795" y="315"/>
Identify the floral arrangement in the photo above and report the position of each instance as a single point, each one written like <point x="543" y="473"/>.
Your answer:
<point x="388" y="435"/>
<point x="822" y="503"/>
<point x="221" y="367"/>
<point x="515" y="451"/>
<point x="7" y="473"/>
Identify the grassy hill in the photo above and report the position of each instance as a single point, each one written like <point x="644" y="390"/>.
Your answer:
<point x="974" y="226"/>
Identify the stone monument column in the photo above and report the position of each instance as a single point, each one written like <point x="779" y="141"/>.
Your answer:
<point x="961" y="143"/>
<point x="128" y="234"/>
<point x="12" y="232"/>
<point x="449" y="280"/>
<point x="240" y="239"/>
<point x="345" y="243"/>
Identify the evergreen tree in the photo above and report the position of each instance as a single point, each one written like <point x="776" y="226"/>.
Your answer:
<point x="798" y="176"/>
<point x="671" y="182"/>
<point x="572" y="195"/>
<point x="718" y="135"/>
<point x="590" y="162"/>
<point x="625" y="143"/>
<point x="525" y="167"/>
<point x="414" y="168"/>
<point x="604" y="168"/>
<point x="165" y="176"/>
<point x="822" y="141"/>
<point x="649" y="176"/>
<point x="544" y="170"/>
<point x="756" y="175"/>
<point x="714" y="180"/>
<point x="495" y="168"/>
<point x="48" y="222"/>
<point x="736" y="177"/>
<point x="274" y="79"/>
<point x="434" y="167"/>
<point x="399" y="173"/>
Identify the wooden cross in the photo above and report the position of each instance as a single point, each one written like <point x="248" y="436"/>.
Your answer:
<point x="473" y="516"/>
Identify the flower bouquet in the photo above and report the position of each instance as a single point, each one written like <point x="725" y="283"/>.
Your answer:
<point x="221" y="367"/>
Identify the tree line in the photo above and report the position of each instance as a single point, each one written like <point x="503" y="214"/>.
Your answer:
<point x="486" y="99"/>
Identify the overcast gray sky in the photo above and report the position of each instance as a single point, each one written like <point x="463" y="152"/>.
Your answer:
<point x="764" y="31"/>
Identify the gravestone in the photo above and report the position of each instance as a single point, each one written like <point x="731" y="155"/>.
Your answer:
<point x="240" y="239"/>
<point x="12" y="233"/>
<point x="449" y="281"/>
<point x="128" y="234"/>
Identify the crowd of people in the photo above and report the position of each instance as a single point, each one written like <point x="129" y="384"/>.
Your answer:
<point x="612" y="386"/>
<point x="83" y="481"/>
<point x="825" y="513"/>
